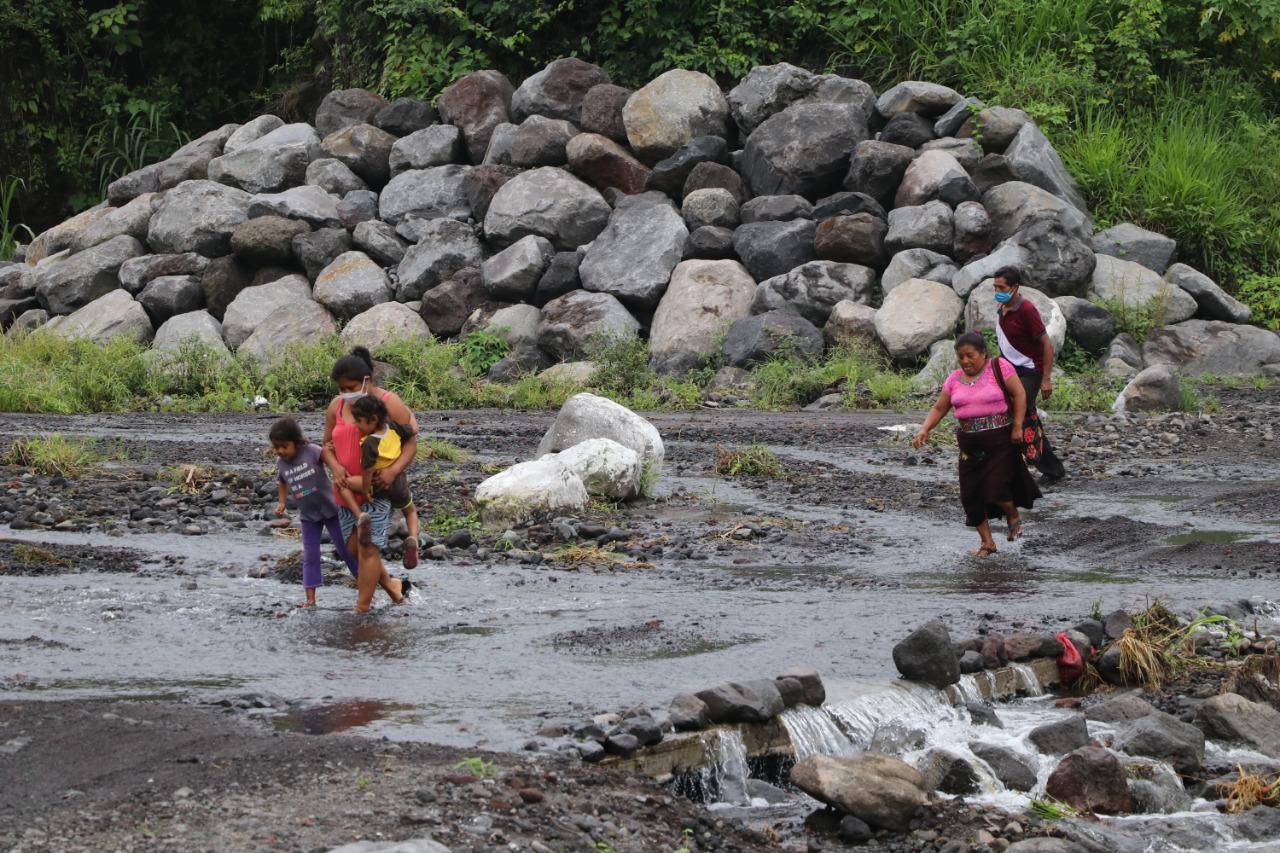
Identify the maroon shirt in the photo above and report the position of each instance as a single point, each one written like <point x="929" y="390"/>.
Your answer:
<point x="1020" y="332"/>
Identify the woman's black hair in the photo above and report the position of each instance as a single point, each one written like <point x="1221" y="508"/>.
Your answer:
<point x="369" y="407"/>
<point x="972" y="339"/>
<point x="286" y="429"/>
<point x="357" y="366"/>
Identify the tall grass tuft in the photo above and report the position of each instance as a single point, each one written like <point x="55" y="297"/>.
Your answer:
<point x="10" y="231"/>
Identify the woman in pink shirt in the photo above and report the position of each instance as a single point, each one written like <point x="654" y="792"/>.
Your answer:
<point x="994" y="480"/>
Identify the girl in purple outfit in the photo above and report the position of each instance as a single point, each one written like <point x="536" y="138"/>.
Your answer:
<point x="302" y="474"/>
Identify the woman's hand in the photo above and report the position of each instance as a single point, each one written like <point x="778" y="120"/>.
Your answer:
<point x="1015" y="434"/>
<point x="922" y="435"/>
<point x="340" y="472"/>
<point x="280" y="510"/>
<point x="383" y="478"/>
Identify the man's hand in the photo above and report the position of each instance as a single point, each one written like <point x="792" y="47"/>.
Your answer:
<point x="1046" y="387"/>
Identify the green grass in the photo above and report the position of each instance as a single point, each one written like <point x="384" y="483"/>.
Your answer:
<point x="54" y="455"/>
<point x="434" y="447"/>
<point x="754" y="461"/>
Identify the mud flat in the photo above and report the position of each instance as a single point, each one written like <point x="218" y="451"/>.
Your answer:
<point x="128" y="589"/>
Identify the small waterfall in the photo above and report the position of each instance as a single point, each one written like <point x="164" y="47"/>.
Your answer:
<point x="724" y="776"/>
<point x="915" y="703"/>
<point x="813" y="731"/>
<point x="965" y="690"/>
<point x="1027" y="679"/>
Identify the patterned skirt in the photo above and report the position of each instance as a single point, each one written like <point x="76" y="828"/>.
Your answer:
<point x="992" y="470"/>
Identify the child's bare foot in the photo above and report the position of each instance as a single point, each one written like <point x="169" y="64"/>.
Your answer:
<point x="410" y="552"/>
<point x="406" y="586"/>
<point x="305" y="604"/>
<point x="364" y="526"/>
<point x="361" y="610"/>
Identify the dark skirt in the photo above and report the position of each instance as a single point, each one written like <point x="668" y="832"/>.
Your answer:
<point x="992" y="470"/>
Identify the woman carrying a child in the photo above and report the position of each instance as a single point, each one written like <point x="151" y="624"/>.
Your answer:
<point x="342" y="453"/>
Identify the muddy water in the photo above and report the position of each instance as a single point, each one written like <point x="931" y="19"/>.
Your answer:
<point x="486" y="651"/>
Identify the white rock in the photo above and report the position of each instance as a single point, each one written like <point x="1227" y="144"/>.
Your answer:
<point x="528" y="490"/>
<point x="604" y="466"/>
<point x="586" y="416"/>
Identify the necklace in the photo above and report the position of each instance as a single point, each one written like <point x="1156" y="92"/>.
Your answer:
<point x="966" y="381"/>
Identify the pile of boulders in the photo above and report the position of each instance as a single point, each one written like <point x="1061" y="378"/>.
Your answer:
<point x="795" y="211"/>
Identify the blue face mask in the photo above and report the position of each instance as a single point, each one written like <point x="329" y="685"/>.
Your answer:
<point x="1003" y="297"/>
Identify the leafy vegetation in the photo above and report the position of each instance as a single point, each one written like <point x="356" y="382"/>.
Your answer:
<point x="481" y="350"/>
<point x="54" y="455"/>
<point x="477" y="766"/>
<point x="754" y="461"/>
<point x="434" y="447"/>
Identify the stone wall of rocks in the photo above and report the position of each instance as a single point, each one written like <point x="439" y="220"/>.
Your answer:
<point x="795" y="206"/>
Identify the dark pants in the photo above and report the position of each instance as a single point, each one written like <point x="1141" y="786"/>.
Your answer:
<point x="1048" y="464"/>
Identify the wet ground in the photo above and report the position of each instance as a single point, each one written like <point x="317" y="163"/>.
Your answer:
<point x="718" y="577"/>
<point x="143" y="582"/>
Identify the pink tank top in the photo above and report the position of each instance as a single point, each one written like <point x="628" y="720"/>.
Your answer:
<point x="346" y="446"/>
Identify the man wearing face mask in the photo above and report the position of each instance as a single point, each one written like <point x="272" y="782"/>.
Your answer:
<point x="1023" y="342"/>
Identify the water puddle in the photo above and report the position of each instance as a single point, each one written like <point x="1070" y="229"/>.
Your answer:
<point x="1216" y="536"/>
<point x="338" y="717"/>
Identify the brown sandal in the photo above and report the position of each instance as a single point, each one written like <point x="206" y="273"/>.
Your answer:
<point x="984" y="551"/>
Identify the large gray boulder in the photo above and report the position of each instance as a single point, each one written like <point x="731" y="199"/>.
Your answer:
<point x="805" y="150"/>
<point x="1014" y="772"/>
<point x="813" y="289"/>
<point x="379" y="241"/>
<point x="1055" y="260"/>
<point x="634" y="255"/>
<point x="193" y="330"/>
<point x="702" y="301"/>
<point x="774" y="248"/>
<point x="766" y="90"/>
<point x="850" y="322"/>
<point x="60" y="237"/>
<point x="935" y="175"/>
<point x="550" y="203"/>
<point x="980" y="311"/>
<point x="310" y="204"/>
<point x="131" y="220"/>
<point x="557" y="91"/>
<point x="270" y="163"/>
<point x="586" y="416"/>
<point x="347" y="107"/>
<point x="1060" y="736"/>
<point x="926" y="655"/>
<point x="712" y="207"/>
<point x="446" y="307"/>
<point x="516" y="324"/>
<point x="512" y="275"/>
<point x="188" y="163"/>
<point x="1091" y="779"/>
<point x="477" y="104"/>
<point x="1139" y="289"/>
<point x="927" y="99"/>
<point x="672" y="109"/>
<point x="972" y="232"/>
<point x="742" y="702"/>
<point x="170" y="295"/>
<point x="605" y="467"/>
<point x="136" y="272"/>
<point x="572" y="324"/>
<point x="445" y="247"/>
<point x="857" y="238"/>
<point x="1014" y="204"/>
<point x="670" y="174"/>
<point x="915" y="263"/>
<point x="602" y="111"/>
<point x="383" y="324"/>
<point x="915" y="314"/>
<point x="1136" y="244"/>
<point x="333" y="176"/>
<point x="606" y="164"/>
<point x="300" y="323"/>
<point x="67" y="284"/>
<point x="317" y="249"/>
<point x="425" y="194"/>
<point x="113" y="315"/>
<point x="1213" y="303"/>
<point x="1163" y="737"/>
<point x="438" y="145"/>
<point x="1234" y="719"/>
<point x="1214" y="347"/>
<point x="198" y="216"/>
<point x="405" y="116"/>
<point x="351" y="285"/>
<point x="756" y="339"/>
<point x="1088" y="324"/>
<point x="223" y="280"/>
<point x="1033" y="159"/>
<point x="364" y="149"/>
<point x="538" y="141"/>
<point x="254" y="304"/>
<point x="977" y="271"/>
<point x="876" y="168"/>
<point x="1154" y="389"/>
<point x="251" y="131"/>
<point x="926" y="226"/>
<point x="879" y="789"/>
<point x="266" y="240"/>
<point x="527" y="491"/>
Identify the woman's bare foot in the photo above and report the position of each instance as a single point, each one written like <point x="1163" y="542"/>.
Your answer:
<point x="1015" y="528"/>
<point x="984" y="551"/>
